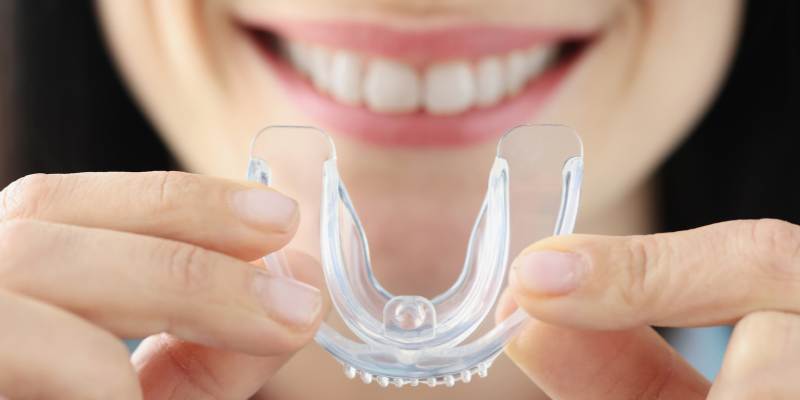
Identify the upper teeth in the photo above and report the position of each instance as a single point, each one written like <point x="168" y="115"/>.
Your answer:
<point x="442" y="88"/>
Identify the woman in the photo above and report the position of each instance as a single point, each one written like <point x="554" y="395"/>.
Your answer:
<point x="707" y="87"/>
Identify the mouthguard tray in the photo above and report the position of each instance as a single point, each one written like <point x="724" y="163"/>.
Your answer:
<point x="409" y="339"/>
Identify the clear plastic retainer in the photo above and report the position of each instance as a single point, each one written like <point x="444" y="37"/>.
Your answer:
<point x="413" y="340"/>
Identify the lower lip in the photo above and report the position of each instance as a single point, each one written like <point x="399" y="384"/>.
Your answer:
<point x="419" y="129"/>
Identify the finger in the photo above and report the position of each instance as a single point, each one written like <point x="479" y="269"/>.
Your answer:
<point x="244" y="220"/>
<point x="75" y="361"/>
<point x="763" y="359"/>
<point x="706" y="276"/>
<point x="579" y="364"/>
<point x="633" y="364"/>
<point x="170" y="368"/>
<point x="136" y="285"/>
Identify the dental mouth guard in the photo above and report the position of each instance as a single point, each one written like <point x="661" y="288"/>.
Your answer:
<point x="413" y="340"/>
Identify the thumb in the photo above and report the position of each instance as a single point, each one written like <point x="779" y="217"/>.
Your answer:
<point x="705" y="276"/>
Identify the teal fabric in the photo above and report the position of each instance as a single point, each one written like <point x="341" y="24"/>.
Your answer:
<point x="132" y="344"/>
<point x="704" y="348"/>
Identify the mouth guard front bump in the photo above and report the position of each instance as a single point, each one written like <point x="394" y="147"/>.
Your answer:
<point x="413" y="340"/>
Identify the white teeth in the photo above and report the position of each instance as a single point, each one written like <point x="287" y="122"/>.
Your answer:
<point x="516" y="71"/>
<point x="446" y="88"/>
<point x="537" y="60"/>
<point x="319" y="67"/>
<point x="449" y="88"/>
<point x="525" y="65"/>
<point x="346" y="75"/>
<point x="491" y="86"/>
<point x="299" y="57"/>
<point x="391" y="87"/>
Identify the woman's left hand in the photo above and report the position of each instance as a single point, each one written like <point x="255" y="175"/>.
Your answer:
<point x="594" y="298"/>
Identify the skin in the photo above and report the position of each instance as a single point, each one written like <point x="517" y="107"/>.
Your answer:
<point x="176" y="245"/>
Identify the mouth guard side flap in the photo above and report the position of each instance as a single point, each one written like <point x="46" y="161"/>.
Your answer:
<point x="410" y="339"/>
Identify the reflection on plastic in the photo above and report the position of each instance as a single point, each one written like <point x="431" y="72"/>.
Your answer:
<point x="532" y="192"/>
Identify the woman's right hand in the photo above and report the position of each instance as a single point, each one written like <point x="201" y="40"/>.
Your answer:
<point x="86" y="259"/>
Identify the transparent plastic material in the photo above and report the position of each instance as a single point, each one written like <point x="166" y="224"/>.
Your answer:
<point x="532" y="192"/>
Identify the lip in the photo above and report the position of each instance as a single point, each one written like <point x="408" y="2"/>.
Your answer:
<point x="462" y="41"/>
<point x="417" y="129"/>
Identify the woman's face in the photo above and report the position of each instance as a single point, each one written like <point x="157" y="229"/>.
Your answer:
<point x="395" y="81"/>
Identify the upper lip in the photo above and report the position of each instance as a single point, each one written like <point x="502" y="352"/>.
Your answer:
<point x="416" y="46"/>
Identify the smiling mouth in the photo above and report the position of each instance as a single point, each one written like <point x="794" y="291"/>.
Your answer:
<point x="423" y="88"/>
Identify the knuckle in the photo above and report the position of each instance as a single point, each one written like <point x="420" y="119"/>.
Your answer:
<point x="194" y="373"/>
<point x="640" y="261"/>
<point x="188" y="268"/>
<point x="167" y="188"/>
<point x="774" y="247"/>
<point x="27" y="196"/>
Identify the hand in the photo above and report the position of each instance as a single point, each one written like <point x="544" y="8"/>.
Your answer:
<point x="593" y="299"/>
<point x="88" y="258"/>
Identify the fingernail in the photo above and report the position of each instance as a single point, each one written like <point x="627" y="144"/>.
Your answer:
<point x="291" y="302"/>
<point x="264" y="207"/>
<point x="549" y="272"/>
